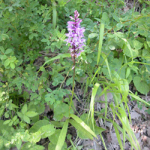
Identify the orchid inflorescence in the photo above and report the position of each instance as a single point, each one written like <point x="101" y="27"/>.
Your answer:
<point x="75" y="36"/>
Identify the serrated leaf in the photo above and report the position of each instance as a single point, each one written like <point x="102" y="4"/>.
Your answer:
<point x="61" y="110"/>
<point x="31" y="113"/>
<point x="141" y="85"/>
<point x="24" y="109"/>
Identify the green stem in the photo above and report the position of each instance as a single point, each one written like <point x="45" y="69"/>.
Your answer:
<point x="73" y="83"/>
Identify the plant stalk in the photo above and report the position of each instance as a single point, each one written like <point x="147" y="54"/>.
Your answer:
<point x="73" y="82"/>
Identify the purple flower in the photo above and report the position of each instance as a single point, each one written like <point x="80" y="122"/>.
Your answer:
<point x="75" y="35"/>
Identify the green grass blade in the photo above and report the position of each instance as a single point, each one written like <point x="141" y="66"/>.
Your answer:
<point x="118" y="136"/>
<point x="101" y="34"/>
<point x="86" y="127"/>
<point x="106" y="105"/>
<point x="106" y="61"/>
<point x="103" y="142"/>
<point x="138" y="99"/>
<point x="95" y="74"/>
<point x="94" y="91"/>
<point x="57" y="57"/>
<point x="82" y="133"/>
<point x="62" y="136"/>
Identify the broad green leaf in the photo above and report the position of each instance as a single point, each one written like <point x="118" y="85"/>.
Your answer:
<point x="5" y="36"/>
<point x="93" y="35"/>
<point x="141" y="85"/>
<point x="61" y="110"/>
<point x="12" y="65"/>
<point x="105" y="18"/>
<point x="7" y="62"/>
<point x="127" y="48"/>
<point x="7" y="121"/>
<point x="31" y="113"/>
<point x="62" y="136"/>
<point x="136" y="44"/>
<point x="79" y="121"/>
<point x="36" y="136"/>
<point x="26" y="119"/>
<point x="18" y="143"/>
<point x="24" y="109"/>
<point x="2" y="49"/>
<point x="2" y="57"/>
<point x="20" y="115"/>
<point x="38" y="125"/>
<point x="54" y="137"/>
<point x="8" y="51"/>
<point x="47" y="130"/>
<point x="31" y="146"/>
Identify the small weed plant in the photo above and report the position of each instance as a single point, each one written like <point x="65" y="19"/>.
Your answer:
<point x="105" y="50"/>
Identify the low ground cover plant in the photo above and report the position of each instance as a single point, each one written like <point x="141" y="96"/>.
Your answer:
<point x="51" y="49"/>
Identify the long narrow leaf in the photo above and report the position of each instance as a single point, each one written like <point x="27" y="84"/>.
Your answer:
<point x="138" y="99"/>
<point x="101" y="34"/>
<point x="118" y="136"/>
<point x="106" y="61"/>
<point x="62" y="136"/>
<point x="82" y="133"/>
<point x="86" y="127"/>
<point x="95" y="74"/>
<point x="94" y="91"/>
<point x="57" y="57"/>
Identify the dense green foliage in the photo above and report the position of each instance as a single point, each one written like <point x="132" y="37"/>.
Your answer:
<point x="36" y="69"/>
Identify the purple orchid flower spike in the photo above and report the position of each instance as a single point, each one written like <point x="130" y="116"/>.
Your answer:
<point x="75" y="36"/>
